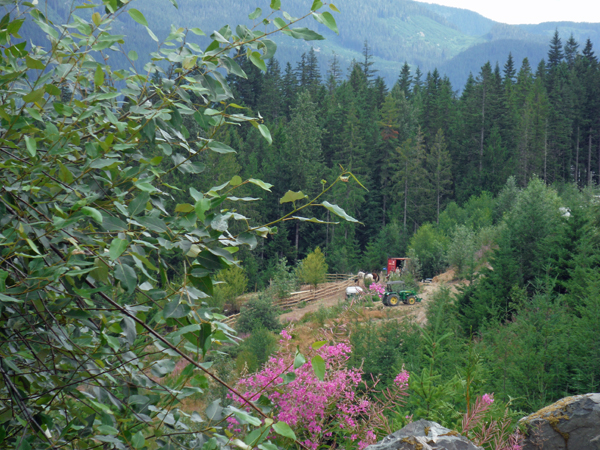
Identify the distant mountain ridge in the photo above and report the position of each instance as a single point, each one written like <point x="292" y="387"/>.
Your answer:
<point x="456" y="41"/>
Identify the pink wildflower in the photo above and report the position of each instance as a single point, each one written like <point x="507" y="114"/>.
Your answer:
<point x="285" y="335"/>
<point x="401" y="379"/>
<point x="488" y="399"/>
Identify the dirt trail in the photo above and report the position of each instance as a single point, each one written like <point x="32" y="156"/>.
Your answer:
<point x="417" y="312"/>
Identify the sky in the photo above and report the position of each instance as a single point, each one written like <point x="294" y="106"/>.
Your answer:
<point x="530" y="11"/>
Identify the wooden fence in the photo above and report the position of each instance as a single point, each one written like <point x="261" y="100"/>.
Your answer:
<point x="325" y="290"/>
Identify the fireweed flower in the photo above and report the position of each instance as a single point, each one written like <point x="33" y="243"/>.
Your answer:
<point x="488" y="398"/>
<point x="316" y="409"/>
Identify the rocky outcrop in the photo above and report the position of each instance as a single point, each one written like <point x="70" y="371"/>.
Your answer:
<point x="572" y="423"/>
<point x="424" y="435"/>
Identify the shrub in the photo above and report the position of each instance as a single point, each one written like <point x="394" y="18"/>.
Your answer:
<point x="258" y="312"/>
<point x="313" y="268"/>
<point x="284" y="281"/>
<point x="233" y="283"/>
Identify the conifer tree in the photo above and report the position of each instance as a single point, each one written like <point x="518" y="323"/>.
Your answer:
<point x="439" y="171"/>
<point x="405" y="80"/>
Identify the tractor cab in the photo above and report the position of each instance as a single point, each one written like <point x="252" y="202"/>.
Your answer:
<point x="395" y="293"/>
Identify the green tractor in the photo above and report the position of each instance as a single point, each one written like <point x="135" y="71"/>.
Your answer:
<point x="394" y="294"/>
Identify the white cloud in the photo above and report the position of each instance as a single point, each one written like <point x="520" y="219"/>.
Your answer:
<point x="530" y="11"/>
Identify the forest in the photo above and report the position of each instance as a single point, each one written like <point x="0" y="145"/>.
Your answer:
<point x="417" y="147"/>
<point x="138" y="208"/>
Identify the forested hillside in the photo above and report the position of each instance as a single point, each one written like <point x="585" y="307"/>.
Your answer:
<point x="416" y="146"/>
<point x="456" y="41"/>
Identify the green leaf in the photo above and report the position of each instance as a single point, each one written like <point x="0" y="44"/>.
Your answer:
<point x="236" y="181"/>
<point x="108" y="430"/>
<point x="163" y="367"/>
<point x="265" y="133"/>
<point x="99" y="76"/>
<point x="201" y="207"/>
<point x="31" y="145"/>
<point x="34" y="113"/>
<point x="3" y="277"/>
<point x="127" y="276"/>
<point x="339" y="212"/>
<point x="291" y="196"/>
<point x="132" y="55"/>
<point x="306" y="34"/>
<point x="138" y="204"/>
<point x="197" y="31"/>
<point x="138" y="17"/>
<point x="316" y="5"/>
<point x="34" y="63"/>
<point x="34" y="96"/>
<point x="318" y="345"/>
<point x="184" y="208"/>
<point x="258" y="61"/>
<point x="327" y="19"/>
<point x="334" y="8"/>
<point x="275" y="4"/>
<point x="255" y="14"/>
<point x="219" y="147"/>
<point x="262" y="184"/>
<point x="6" y="298"/>
<point x="138" y="440"/>
<point x="93" y="213"/>
<point x="312" y="219"/>
<point x="318" y="366"/>
<point x="117" y="247"/>
<point x="175" y="310"/>
<point x="283" y="429"/>
<point x="299" y="360"/>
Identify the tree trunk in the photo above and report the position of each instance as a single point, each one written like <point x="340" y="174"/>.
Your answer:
<point x="589" y="164"/>
<point x="577" y="160"/>
<point x="546" y="153"/>
<point x="297" y="238"/>
<point x="405" y="193"/>
<point x="482" y="134"/>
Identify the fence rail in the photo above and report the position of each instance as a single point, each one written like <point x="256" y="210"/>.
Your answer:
<point x="326" y="290"/>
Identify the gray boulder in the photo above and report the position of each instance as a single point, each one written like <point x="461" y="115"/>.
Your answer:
<point x="424" y="435"/>
<point x="572" y="423"/>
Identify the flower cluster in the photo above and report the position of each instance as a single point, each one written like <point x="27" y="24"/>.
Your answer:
<point x="377" y="288"/>
<point x="319" y="411"/>
<point x="401" y="379"/>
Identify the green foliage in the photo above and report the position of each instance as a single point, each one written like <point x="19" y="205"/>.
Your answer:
<point x="284" y="280"/>
<point x="258" y="312"/>
<point x="313" y="268"/>
<point x="233" y="283"/>
<point x="429" y="245"/>
<point x="105" y="261"/>
<point x="255" y="350"/>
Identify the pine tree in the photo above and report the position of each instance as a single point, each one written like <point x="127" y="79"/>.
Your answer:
<point x="555" y="54"/>
<point x="571" y="52"/>
<point x="509" y="71"/>
<point x="270" y="101"/>
<point x="289" y="90"/>
<point x="368" y="62"/>
<point x="439" y="171"/>
<point x="405" y="80"/>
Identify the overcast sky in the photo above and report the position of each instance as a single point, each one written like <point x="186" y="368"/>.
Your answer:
<point x="530" y="11"/>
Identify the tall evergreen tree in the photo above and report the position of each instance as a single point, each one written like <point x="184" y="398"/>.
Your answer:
<point x="439" y="171"/>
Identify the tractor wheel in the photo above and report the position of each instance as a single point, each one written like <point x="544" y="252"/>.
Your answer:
<point x="393" y="300"/>
<point x="411" y="300"/>
<point x="384" y="300"/>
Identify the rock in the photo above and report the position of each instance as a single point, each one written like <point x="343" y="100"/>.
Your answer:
<point x="572" y="423"/>
<point x="424" y="435"/>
